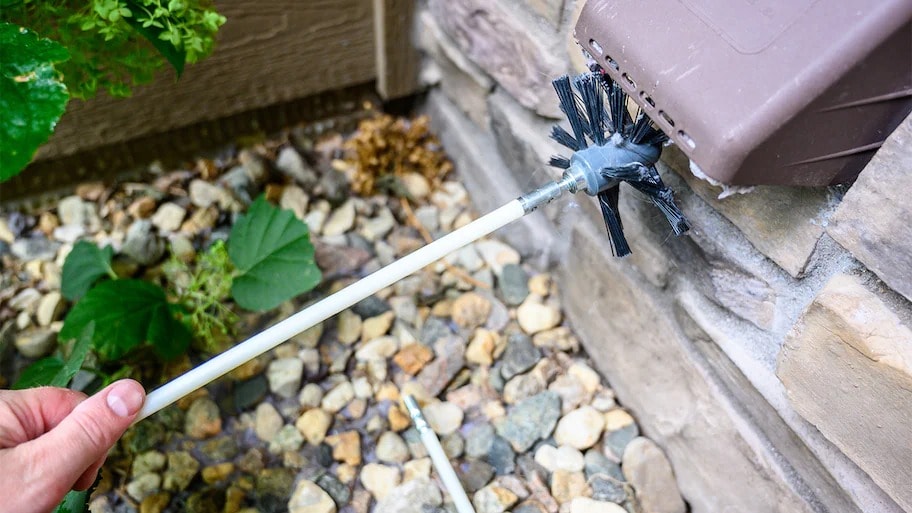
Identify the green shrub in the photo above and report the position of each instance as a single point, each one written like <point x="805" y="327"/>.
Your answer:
<point x="95" y="47"/>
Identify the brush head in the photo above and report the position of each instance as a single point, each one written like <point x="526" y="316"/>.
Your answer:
<point x="610" y="145"/>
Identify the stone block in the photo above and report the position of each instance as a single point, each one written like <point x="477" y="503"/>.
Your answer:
<point x="783" y="223"/>
<point x="523" y="142"/>
<point x="873" y="220"/>
<point x="847" y="369"/>
<point x="461" y="80"/>
<point x="714" y="255"/>
<point x="574" y="52"/>
<point x="494" y="38"/>
<point x="484" y="173"/>
<point x="550" y="10"/>
<point x="632" y="337"/>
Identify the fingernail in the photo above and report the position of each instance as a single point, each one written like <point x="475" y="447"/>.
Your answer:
<point x="124" y="399"/>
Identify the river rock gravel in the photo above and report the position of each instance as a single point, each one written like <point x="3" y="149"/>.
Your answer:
<point x="317" y="425"/>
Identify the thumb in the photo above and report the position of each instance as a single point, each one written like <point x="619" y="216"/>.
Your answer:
<point x="83" y="437"/>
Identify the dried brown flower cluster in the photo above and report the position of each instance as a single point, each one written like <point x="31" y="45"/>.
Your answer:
<point x="385" y="148"/>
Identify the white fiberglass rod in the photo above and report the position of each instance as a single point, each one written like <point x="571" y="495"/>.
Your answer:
<point x="439" y="458"/>
<point x="326" y="308"/>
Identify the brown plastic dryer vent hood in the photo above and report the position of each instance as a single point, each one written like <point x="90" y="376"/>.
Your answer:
<point x="788" y="92"/>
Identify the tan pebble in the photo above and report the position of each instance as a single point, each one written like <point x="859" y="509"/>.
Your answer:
<point x="215" y="473"/>
<point x="250" y="369"/>
<point x="617" y="419"/>
<point x="494" y="410"/>
<point x="346" y="473"/>
<point x="471" y="310"/>
<point x="587" y="505"/>
<point x="376" y="326"/>
<point x="494" y="498"/>
<point x="586" y="375"/>
<point x="155" y="503"/>
<point x="480" y="350"/>
<point x="540" y="284"/>
<point x="566" y="486"/>
<point x="234" y="499"/>
<point x="413" y="357"/>
<point x="349" y="327"/>
<point x="142" y="207"/>
<point x="416" y="390"/>
<point x="90" y="191"/>
<point x="560" y="338"/>
<point x="398" y="420"/>
<point x="534" y="316"/>
<point x="387" y="392"/>
<point x="443" y="308"/>
<point x="47" y="222"/>
<point x="416" y="469"/>
<point x="346" y="447"/>
<point x="185" y="402"/>
<point x="356" y="408"/>
<point x="379" y="479"/>
<point x="314" y="424"/>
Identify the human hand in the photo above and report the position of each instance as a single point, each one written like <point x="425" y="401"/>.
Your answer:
<point x="53" y="440"/>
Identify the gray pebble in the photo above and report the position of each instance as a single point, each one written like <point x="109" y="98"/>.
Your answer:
<point x="531" y="420"/>
<point x="513" y="284"/>
<point x="501" y="456"/>
<point x="474" y="475"/>
<point x="478" y="440"/>
<point x="36" y="248"/>
<point x="520" y="355"/>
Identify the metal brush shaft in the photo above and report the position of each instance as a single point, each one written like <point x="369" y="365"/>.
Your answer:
<point x="550" y="192"/>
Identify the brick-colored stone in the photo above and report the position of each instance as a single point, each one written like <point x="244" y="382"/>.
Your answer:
<point x="873" y="219"/>
<point x="632" y="338"/>
<point x="783" y="223"/>
<point x="847" y="369"/>
<point x="500" y="44"/>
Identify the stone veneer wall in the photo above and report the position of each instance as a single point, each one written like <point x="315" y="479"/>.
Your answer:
<point x="769" y="351"/>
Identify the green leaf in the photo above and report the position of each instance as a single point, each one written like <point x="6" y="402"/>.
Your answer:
<point x="32" y="97"/>
<point x="85" y="264"/>
<point x="40" y="373"/>
<point x="127" y="314"/>
<point x="77" y="356"/>
<point x="53" y="371"/>
<point x="74" y="502"/>
<point x="271" y="248"/>
<point x="170" y="50"/>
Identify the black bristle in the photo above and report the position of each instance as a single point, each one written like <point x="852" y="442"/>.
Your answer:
<point x="608" y="201"/>
<point x="568" y="106"/>
<point x="617" y="102"/>
<point x="642" y="128"/>
<point x="590" y="93"/>
<point x="663" y="198"/>
<point x="656" y="138"/>
<point x="631" y="172"/>
<point x="559" y="161"/>
<point x="564" y="139"/>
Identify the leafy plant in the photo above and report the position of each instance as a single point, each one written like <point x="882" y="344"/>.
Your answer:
<point x="127" y="314"/>
<point x="54" y="371"/>
<point x="268" y="259"/>
<point x="32" y="97"/>
<point x="275" y="260"/>
<point x="102" y="37"/>
<point x="96" y="47"/>
<point x="85" y="264"/>
<point x="203" y="290"/>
